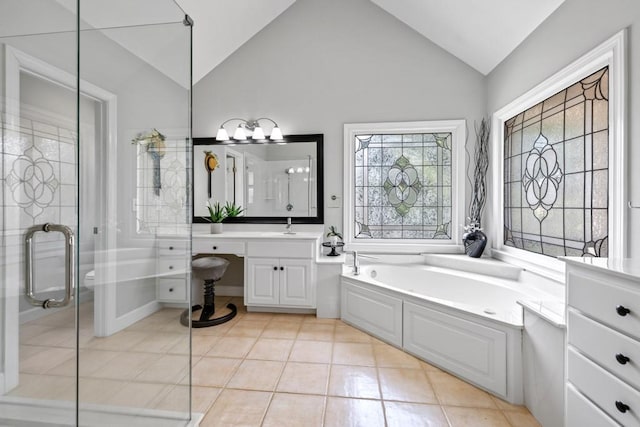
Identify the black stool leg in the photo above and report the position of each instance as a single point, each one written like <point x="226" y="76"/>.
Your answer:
<point x="208" y="310"/>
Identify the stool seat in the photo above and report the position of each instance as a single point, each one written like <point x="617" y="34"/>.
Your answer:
<point x="209" y="268"/>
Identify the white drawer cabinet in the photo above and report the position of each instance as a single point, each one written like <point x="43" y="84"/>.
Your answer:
<point x="603" y="345"/>
<point x="172" y="265"/>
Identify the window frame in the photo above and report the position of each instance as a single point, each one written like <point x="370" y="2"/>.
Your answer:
<point x="457" y="128"/>
<point x="611" y="53"/>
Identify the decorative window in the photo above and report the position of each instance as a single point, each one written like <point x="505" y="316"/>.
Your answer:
<point x="556" y="172"/>
<point x="558" y="157"/>
<point x="402" y="183"/>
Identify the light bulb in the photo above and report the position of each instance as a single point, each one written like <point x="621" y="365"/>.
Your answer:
<point x="258" y="133"/>
<point x="299" y="170"/>
<point x="307" y="169"/>
<point x="276" y="133"/>
<point x="240" y="134"/>
<point x="222" y="134"/>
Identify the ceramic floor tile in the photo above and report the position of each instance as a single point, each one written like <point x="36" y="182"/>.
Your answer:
<point x="256" y="375"/>
<point x="271" y="349"/>
<point x="475" y="417"/>
<point x="354" y="381"/>
<point x="58" y="337"/>
<point x="247" y="328"/>
<point x="316" y="332"/>
<point x="294" y="410"/>
<point x="46" y="359"/>
<point x="455" y="392"/>
<point x="346" y="333"/>
<point x="90" y="362"/>
<point x="400" y="414"/>
<point x="307" y="378"/>
<point x="177" y="399"/>
<point x="343" y="412"/>
<point x="407" y="385"/>
<point x="30" y="330"/>
<point x="281" y="329"/>
<point x="506" y="406"/>
<point x="231" y="346"/>
<point x="311" y="351"/>
<point x="168" y="369"/>
<point x="94" y="390"/>
<point x="138" y="395"/>
<point x="125" y="366"/>
<point x="45" y="387"/>
<point x="346" y="353"/>
<point x="158" y="343"/>
<point x="521" y="419"/>
<point x="237" y="408"/>
<point x="214" y="371"/>
<point x="390" y="357"/>
<point x="121" y="341"/>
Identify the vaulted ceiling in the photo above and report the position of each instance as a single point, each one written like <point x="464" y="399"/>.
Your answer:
<point x="479" y="32"/>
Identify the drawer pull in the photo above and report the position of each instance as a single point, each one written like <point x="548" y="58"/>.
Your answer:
<point x="275" y="268"/>
<point x="622" y="407"/>
<point x="170" y="248"/>
<point x="281" y="268"/>
<point x="171" y="267"/>
<point x="215" y="248"/>
<point x="622" y="359"/>
<point x="622" y="310"/>
<point x="170" y="289"/>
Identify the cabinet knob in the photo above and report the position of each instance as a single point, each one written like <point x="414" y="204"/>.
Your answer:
<point x="281" y="268"/>
<point x="622" y="359"/>
<point x="170" y="248"/>
<point x="622" y="407"/>
<point x="622" y="310"/>
<point x="170" y="289"/>
<point x="215" y="248"/>
<point x="275" y="268"/>
<point x="171" y="267"/>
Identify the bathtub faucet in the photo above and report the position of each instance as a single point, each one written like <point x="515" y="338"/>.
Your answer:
<point x="356" y="264"/>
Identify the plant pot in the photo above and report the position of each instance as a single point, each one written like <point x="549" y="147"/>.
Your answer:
<point x="474" y="243"/>
<point x="216" y="228"/>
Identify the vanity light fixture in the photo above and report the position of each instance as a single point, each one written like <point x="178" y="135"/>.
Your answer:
<point x="251" y="126"/>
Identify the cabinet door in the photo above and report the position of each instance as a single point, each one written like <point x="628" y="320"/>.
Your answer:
<point x="262" y="283"/>
<point x="295" y="283"/>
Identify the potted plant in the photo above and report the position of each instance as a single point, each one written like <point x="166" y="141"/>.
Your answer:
<point x="333" y="236"/>
<point x="232" y="210"/>
<point x="474" y="238"/>
<point x="217" y="214"/>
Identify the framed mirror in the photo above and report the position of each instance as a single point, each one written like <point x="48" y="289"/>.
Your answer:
<point x="270" y="181"/>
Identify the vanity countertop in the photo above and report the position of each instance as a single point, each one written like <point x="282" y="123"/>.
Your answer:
<point x="549" y="310"/>
<point x="623" y="267"/>
<point x="259" y="235"/>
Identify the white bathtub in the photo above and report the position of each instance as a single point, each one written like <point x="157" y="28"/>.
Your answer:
<point x="468" y="324"/>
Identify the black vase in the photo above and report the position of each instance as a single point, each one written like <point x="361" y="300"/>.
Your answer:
<point x="474" y="243"/>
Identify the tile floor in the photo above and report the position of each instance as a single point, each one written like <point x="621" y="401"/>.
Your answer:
<point x="260" y="369"/>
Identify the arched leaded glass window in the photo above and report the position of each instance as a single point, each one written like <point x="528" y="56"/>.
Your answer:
<point x="556" y="177"/>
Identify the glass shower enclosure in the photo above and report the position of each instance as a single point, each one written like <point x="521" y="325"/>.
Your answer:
<point x="95" y="103"/>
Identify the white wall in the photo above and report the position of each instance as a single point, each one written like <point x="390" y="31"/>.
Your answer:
<point x="323" y="63"/>
<point x="575" y="28"/>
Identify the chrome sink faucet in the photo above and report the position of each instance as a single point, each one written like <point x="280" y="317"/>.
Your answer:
<point x="289" y="227"/>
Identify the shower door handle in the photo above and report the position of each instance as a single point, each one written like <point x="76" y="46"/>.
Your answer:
<point x="69" y="265"/>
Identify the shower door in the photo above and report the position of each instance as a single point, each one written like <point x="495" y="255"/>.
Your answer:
<point x="95" y="133"/>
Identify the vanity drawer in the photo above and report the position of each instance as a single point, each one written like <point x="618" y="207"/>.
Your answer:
<point x="581" y="412"/>
<point x="606" y="300"/>
<point x="604" y="389"/>
<point x="605" y="346"/>
<point x="171" y="290"/>
<point x="215" y="246"/>
<point x="172" y="247"/>
<point x="170" y="265"/>
<point x="279" y="249"/>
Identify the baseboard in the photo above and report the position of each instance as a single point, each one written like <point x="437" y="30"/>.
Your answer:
<point x="134" y="316"/>
<point x="256" y="309"/>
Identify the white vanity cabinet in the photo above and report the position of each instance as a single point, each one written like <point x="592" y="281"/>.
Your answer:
<point x="603" y="342"/>
<point x="280" y="274"/>
<point x="171" y="269"/>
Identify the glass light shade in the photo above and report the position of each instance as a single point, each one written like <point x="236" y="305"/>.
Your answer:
<point x="222" y="134"/>
<point x="299" y="170"/>
<point x="240" y="134"/>
<point x="276" y="133"/>
<point x="258" y="133"/>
